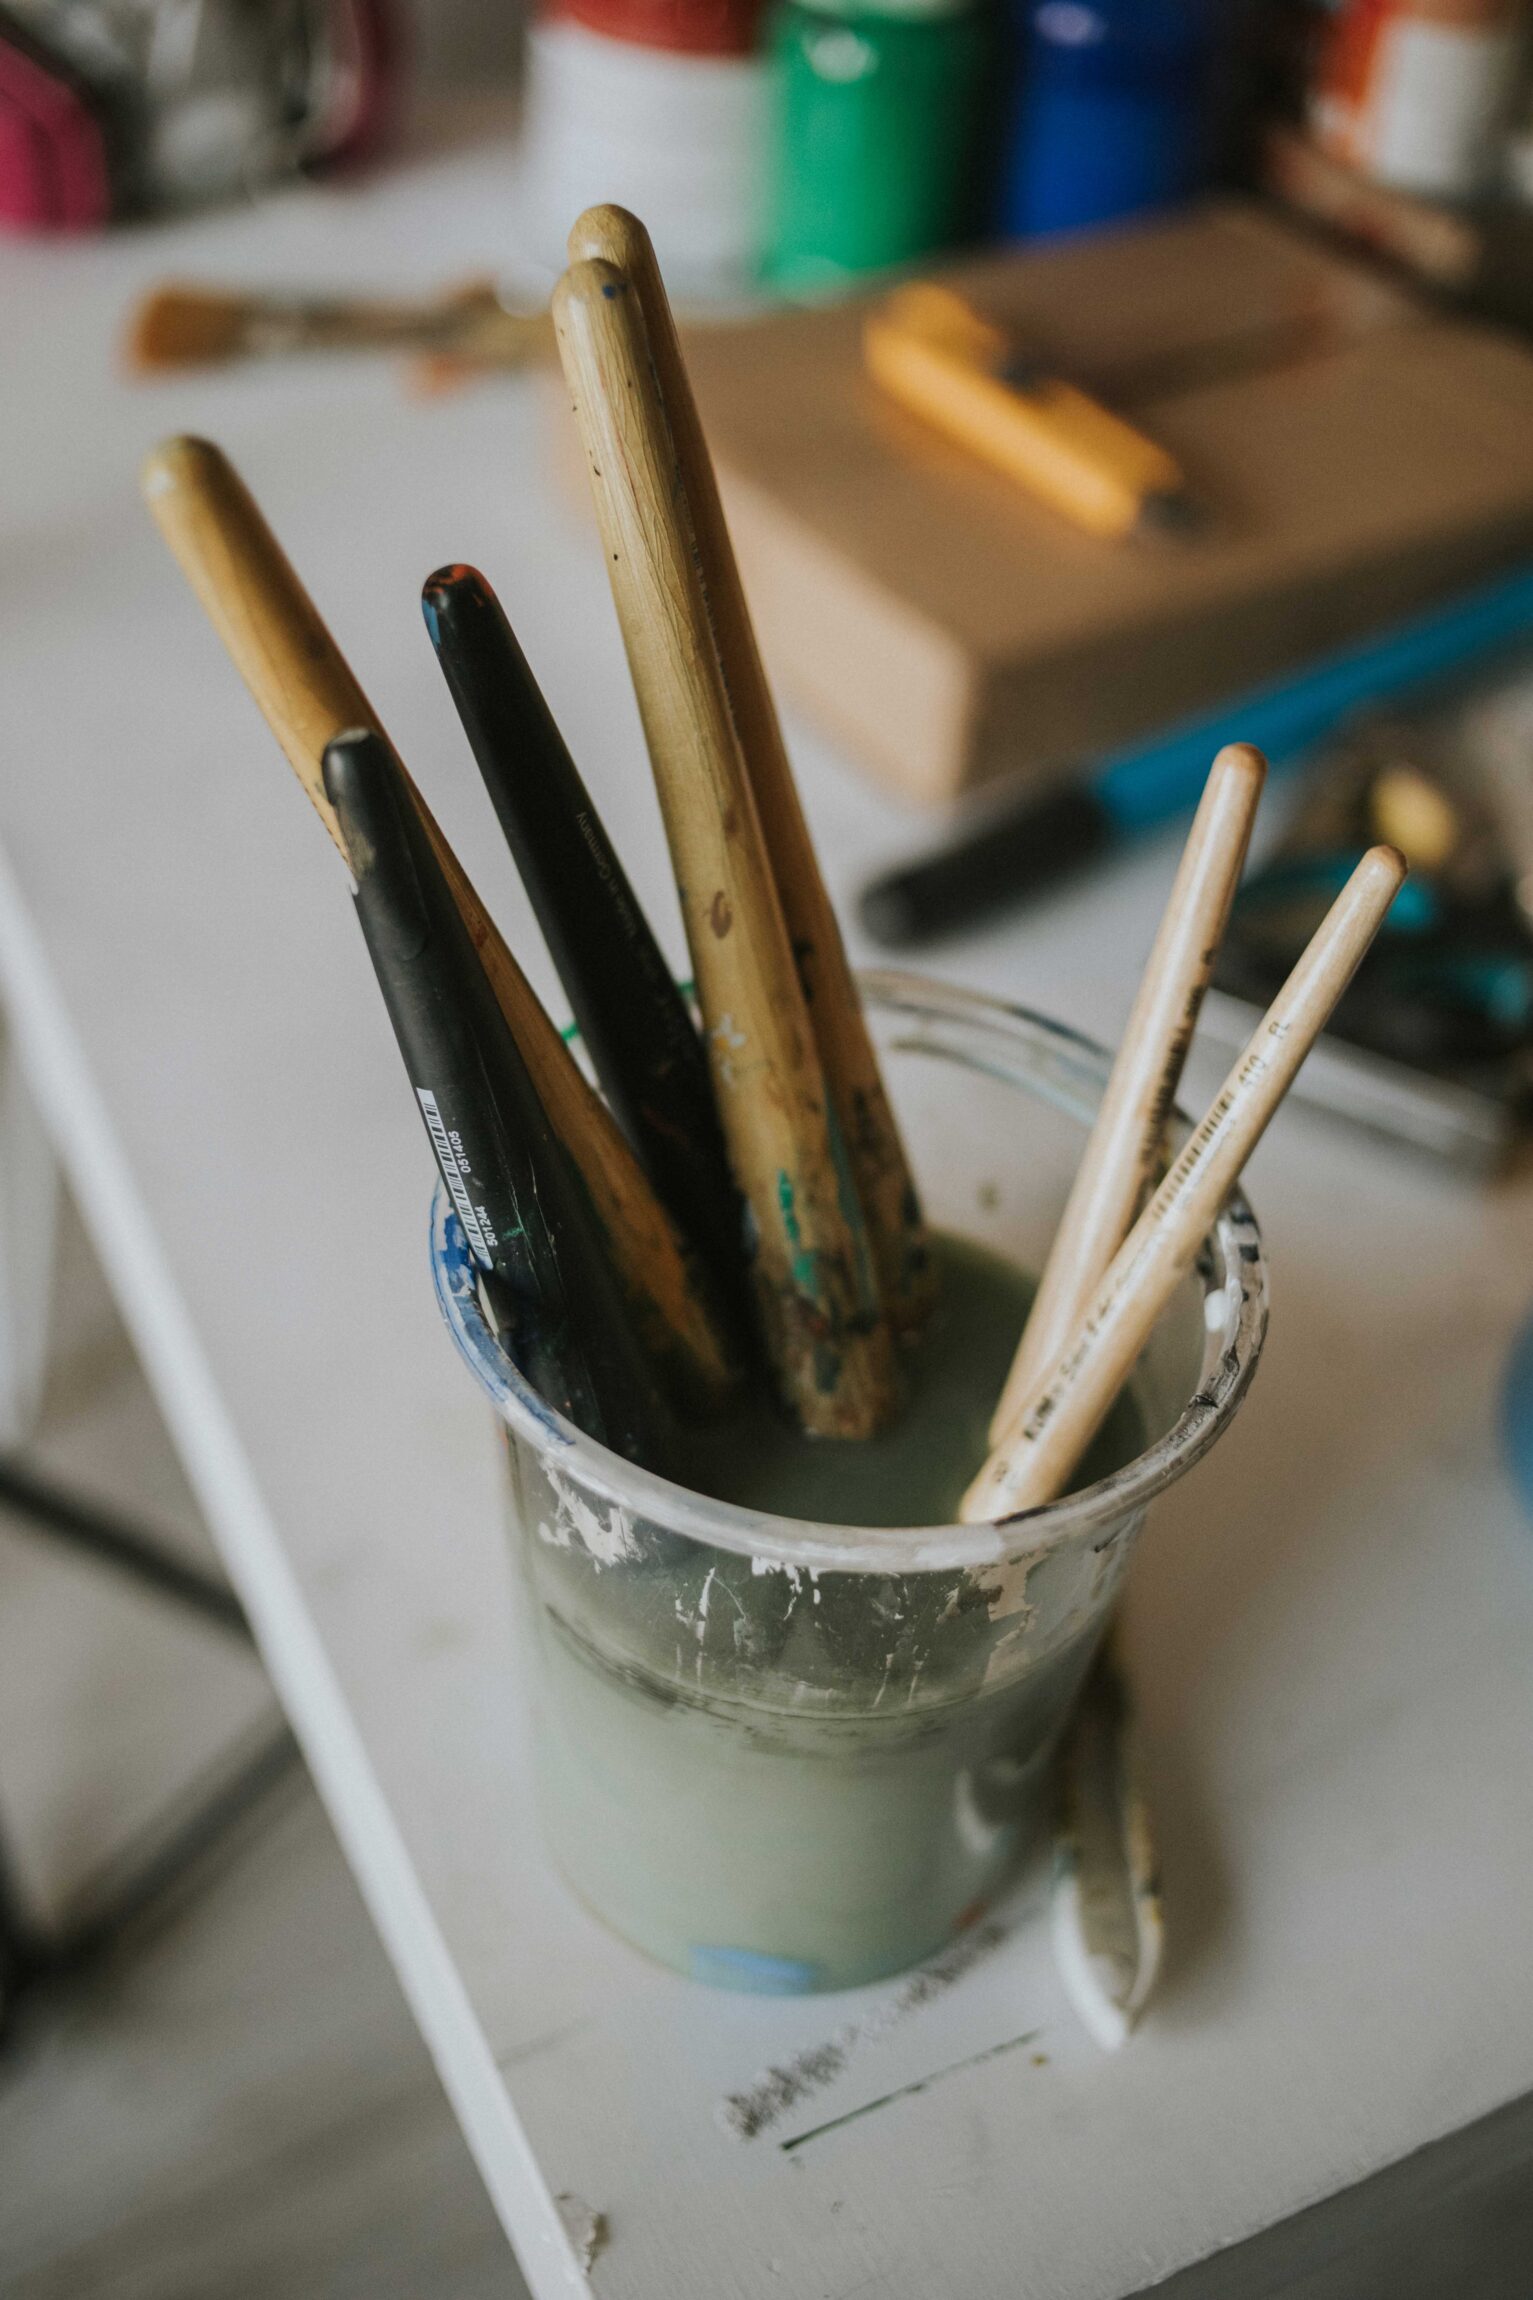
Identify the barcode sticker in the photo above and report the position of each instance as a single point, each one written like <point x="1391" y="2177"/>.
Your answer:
<point x="452" y="1175"/>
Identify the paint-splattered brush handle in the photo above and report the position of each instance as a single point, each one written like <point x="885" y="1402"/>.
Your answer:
<point x="815" y="1285"/>
<point x="891" y="1205"/>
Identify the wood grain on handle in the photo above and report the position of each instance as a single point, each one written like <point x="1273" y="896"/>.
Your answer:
<point x="890" y="1203"/>
<point x="1126" y="1148"/>
<point x="1059" y="1421"/>
<point x="308" y="695"/>
<point x="829" y="1345"/>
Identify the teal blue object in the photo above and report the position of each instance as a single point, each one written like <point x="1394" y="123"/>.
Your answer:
<point x="1150" y="782"/>
<point x="874" y="132"/>
<point x="1415" y="910"/>
<point x="1517" y="1416"/>
<point x="749" y="1970"/>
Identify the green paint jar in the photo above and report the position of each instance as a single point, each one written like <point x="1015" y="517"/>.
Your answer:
<point x="875" y="129"/>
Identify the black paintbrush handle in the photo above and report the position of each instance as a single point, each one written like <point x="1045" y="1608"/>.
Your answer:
<point x="1003" y="862"/>
<point x="645" y="1050"/>
<point x="521" y="1204"/>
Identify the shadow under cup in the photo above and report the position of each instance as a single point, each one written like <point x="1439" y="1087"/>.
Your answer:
<point x="785" y="1756"/>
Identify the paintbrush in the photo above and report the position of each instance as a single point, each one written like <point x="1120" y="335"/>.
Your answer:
<point x="523" y="1210"/>
<point x="1046" y="1439"/>
<point x="885" y="1186"/>
<point x="816" y="1288"/>
<point x="1127" y="1143"/>
<point x="643" y="1043"/>
<point x="183" y="326"/>
<point x="308" y="695"/>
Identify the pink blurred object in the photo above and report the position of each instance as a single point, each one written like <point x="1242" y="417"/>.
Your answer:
<point x="53" y="161"/>
<point x="113" y="107"/>
<point x="367" y="101"/>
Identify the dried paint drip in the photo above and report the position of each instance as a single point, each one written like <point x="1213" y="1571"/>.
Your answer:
<point x="1107" y="1925"/>
<point x="585" y="2227"/>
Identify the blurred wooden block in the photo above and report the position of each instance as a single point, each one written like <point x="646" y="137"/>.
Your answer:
<point x="1365" y="456"/>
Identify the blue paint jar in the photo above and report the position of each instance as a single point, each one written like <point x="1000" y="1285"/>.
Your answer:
<point x="1110" y="113"/>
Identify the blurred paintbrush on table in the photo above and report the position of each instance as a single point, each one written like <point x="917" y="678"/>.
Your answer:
<point x="182" y="325"/>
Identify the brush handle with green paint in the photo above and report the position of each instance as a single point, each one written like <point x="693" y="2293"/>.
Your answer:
<point x="885" y="1186"/>
<point x="815" y="1280"/>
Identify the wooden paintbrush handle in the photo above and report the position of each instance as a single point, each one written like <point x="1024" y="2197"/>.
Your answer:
<point x="828" y="1343"/>
<point x="308" y="695"/>
<point x="1058" y="1423"/>
<point x="270" y="626"/>
<point x="889" y="1200"/>
<point x="1127" y="1142"/>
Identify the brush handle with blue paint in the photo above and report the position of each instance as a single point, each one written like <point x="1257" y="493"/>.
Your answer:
<point x="642" y="1040"/>
<point x="522" y="1207"/>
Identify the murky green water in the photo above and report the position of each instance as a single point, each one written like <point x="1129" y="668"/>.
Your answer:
<point x="783" y="1780"/>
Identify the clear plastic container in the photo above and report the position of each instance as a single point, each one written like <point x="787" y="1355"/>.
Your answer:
<point x="788" y="1756"/>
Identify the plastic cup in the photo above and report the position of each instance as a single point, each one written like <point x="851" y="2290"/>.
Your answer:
<point x="787" y="1756"/>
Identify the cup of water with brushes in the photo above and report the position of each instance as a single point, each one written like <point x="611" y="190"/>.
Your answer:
<point x="815" y="1568"/>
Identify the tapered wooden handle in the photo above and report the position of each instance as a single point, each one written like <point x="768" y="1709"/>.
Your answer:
<point x="890" y="1202"/>
<point x="273" y="632"/>
<point x="308" y="695"/>
<point x="1060" y="1420"/>
<point x="829" y="1345"/>
<point x="1127" y="1144"/>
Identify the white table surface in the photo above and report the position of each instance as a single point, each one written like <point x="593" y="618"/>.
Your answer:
<point x="1331" y="1624"/>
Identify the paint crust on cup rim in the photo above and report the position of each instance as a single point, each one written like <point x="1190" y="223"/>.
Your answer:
<point x="1231" y="1269"/>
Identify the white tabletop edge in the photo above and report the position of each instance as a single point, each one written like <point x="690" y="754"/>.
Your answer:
<point x="221" y="1477"/>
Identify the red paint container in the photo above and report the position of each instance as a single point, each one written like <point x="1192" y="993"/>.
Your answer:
<point x="684" y="27"/>
<point x="1416" y="92"/>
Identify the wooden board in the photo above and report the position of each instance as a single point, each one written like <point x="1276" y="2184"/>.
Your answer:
<point x="1365" y="457"/>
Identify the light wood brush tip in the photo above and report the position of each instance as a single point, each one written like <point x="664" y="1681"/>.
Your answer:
<point x="1383" y="868"/>
<point x="610" y="231"/>
<point x="588" y="280"/>
<point x="1242" y="760"/>
<point x="177" y="327"/>
<point x="183" y="461"/>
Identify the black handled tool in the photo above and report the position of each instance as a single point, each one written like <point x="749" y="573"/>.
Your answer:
<point x="644" y="1047"/>
<point x="522" y="1206"/>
